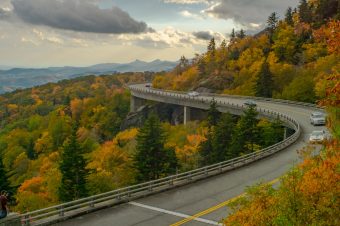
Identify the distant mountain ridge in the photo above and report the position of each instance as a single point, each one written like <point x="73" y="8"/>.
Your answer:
<point x="16" y="78"/>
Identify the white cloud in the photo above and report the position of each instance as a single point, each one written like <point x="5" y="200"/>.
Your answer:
<point x="167" y="38"/>
<point x="30" y="41"/>
<point x="188" y="14"/>
<point x="48" y="38"/>
<point x="255" y="25"/>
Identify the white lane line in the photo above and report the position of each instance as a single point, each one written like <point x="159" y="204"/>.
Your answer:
<point x="174" y="213"/>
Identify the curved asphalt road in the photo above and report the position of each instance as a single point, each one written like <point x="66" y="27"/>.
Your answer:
<point x="172" y="206"/>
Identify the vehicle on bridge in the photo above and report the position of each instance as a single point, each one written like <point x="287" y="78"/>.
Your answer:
<point x="317" y="118"/>
<point x="193" y="94"/>
<point x="250" y="103"/>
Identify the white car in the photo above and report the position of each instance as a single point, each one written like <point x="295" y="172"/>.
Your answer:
<point x="317" y="136"/>
<point x="317" y="118"/>
<point x="250" y="103"/>
<point x="193" y="94"/>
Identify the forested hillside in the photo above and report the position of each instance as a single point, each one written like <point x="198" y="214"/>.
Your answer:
<point x="36" y="126"/>
<point x="290" y="59"/>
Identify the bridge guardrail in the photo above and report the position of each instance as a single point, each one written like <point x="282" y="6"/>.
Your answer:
<point x="242" y="97"/>
<point x="71" y="209"/>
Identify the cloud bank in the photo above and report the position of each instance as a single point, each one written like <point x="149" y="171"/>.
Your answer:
<point x="77" y="15"/>
<point x="248" y="11"/>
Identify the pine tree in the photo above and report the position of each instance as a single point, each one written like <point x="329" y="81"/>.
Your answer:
<point x="206" y="150"/>
<point x="30" y="152"/>
<point x="73" y="169"/>
<point x="272" y="21"/>
<point x="305" y="13"/>
<point x="213" y="114"/>
<point x="183" y="65"/>
<point x="264" y="84"/>
<point x="223" y="44"/>
<point x="212" y="48"/>
<point x="241" y="34"/>
<point x="153" y="160"/>
<point x="232" y="36"/>
<point x="4" y="178"/>
<point x="278" y="130"/>
<point x="222" y="137"/>
<point x="246" y="134"/>
<point x="271" y="25"/>
<point x="289" y="16"/>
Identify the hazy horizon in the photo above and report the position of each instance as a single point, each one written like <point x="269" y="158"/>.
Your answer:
<point x="9" y="67"/>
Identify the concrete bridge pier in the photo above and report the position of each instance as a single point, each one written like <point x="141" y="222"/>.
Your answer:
<point x="187" y="114"/>
<point x="136" y="103"/>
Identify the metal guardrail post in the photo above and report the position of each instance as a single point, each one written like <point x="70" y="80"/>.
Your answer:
<point x="189" y="177"/>
<point x="171" y="182"/>
<point x="26" y="220"/>
<point x="92" y="203"/>
<point x="61" y="211"/>
<point x="118" y="197"/>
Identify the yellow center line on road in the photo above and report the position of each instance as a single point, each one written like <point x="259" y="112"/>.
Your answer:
<point x="213" y="208"/>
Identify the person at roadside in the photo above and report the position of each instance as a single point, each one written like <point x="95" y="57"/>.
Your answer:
<point x="3" y="205"/>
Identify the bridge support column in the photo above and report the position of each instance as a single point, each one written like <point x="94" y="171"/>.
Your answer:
<point x="187" y="114"/>
<point x="135" y="103"/>
<point x="285" y="133"/>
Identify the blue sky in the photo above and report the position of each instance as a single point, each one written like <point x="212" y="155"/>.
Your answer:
<point x="41" y="33"/>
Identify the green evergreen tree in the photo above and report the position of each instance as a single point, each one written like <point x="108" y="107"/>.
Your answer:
<point x="264" y="84"/>
<point x="234" y="54"/>
<point x="213" y="114"/>
<point x="222" y="137"/>
<point x="223" y="44"/>
<point x="241" y="34"/>
<point x="30" y="152"/>
<point x="272" y="21"/>
<point x="271" y="25"/>
<point x="182" y="66"/>
<point x="232" y="35"/>
<point x="73" y="169"/>
<point x="152" y="160"/>
<point x="4" y="178"/>
<point x="212" y="48"/>
<point x="305" y="12"/>
<point x="246" y="134"/>
<point x="289" y="16"/>
<point x="206" y="150"/>
<point x="278" y="131"/>
<point x="202" y="66"/>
